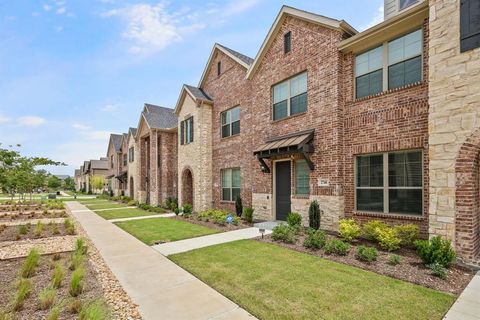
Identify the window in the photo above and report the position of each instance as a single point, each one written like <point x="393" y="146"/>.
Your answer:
<point x="469" y="25"/>
<point x="219" y="68"/>
<point x="230" y="122"/>
<point x="230" y="184"/>
<point x="290" y="97"/>
<point x="131" y="154"/>
<point x="125" y="159"/>
<point x="369" y="72"/>
<point x="302" y="177"/>
<point x="111" y="161"/>
<point x="186" y="131"/>
<point x="406" y="3"/>
<point x="405" y="60"/>
<point x="287" y="42"/>
<point x="390" y="182"/>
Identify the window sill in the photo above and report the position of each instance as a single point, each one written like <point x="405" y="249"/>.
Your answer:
<point x="227" y="202"/>
<point x="289" y="117"/>
<point x="229" y="137"/>
<point x="301" y="196"/>
<point x="383" y="93"/>
<point x="389" y="215"/>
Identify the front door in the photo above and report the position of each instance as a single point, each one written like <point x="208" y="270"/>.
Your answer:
<point x="282" y="189"/>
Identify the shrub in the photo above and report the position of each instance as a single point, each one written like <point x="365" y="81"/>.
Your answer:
<point x="238" y="206"/>
<point x="132" y="203"/>
<point x="46" y="298"/>
<point x="315" y="239"/>
<point x="54" y="228"/>
<point x="30" y="263"/>
<point x="22" y="229"/>
<point x="39" y="228"/>
<point x="371" y="229"/>
<point x="407" y="233"/>
<point x="437" y="250"/>
<point x="54" y="313"/>
<point x="76" y="261"/>
<point x="76" y="282"/>
<point x="387" y="238"/>
<point x="337" y="247"/>
<point x="57" y="276"/>
<point x="367" y="254"/>
<point x="80" y="246"/>
<point x="156" y="209"/>
<point x="294" y="220"/>
<point x="23" y="291"/>
<point x="171" y="203"/>
<point x="349" y="229"/>
<point x="187" y="209"/>
<point x="284" y="233"/>
<point x="74" y="306"/>
<point x="394" y="259"/>
<point x="248" y="214"/>
<point x="144" y="206"/>
<point x="438" y="270"/>
<point x="95" y="310"/>
<point x="314" y="215"/>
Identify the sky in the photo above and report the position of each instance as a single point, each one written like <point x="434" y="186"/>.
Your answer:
<point x="72" y="72"/>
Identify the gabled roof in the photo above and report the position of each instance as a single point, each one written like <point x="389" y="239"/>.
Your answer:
<point x="197" y="94"/>
<point x="77" y="172"/>
<point x="86" y="166"/>
<point x="99" y="164"/>
<point x="300" y="14"/>
<point x="240" y="58"/>
<point x="132" y="131"/>
<point x="116" y="141"/>
<point x="157" y="117"/>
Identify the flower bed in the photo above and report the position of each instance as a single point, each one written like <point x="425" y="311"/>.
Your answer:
<point x="36" y="231"/>
<point x="216" y="219"/>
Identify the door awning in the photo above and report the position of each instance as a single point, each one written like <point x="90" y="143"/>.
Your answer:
<point x="122" y="176"/>
<point x="110" y="176"/>
<point x="300" y="142"/>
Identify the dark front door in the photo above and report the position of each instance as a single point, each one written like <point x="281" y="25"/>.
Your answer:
<point x="282" y="189"/>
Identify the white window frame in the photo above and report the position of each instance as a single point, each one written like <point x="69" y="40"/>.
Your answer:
<point x="289" y="96"/>
<point x="295" y="178"/>
<point x="407" y="7"/>
<point x="230" y="123"/>
<point x="222" y="172"/>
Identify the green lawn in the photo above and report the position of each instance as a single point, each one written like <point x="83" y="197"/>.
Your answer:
<point x="124" y="213"/>
<point x="105" y="205"/>
<point x="272" y="282"/>
<point x="163" y="229"/>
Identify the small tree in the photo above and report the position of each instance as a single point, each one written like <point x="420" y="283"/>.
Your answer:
<point x="53" y="183"/>
<point x="69" y="183"/>
<point x="238" y="206"/>
<point x="97" y="183"/>
<point x="314" y="215"/>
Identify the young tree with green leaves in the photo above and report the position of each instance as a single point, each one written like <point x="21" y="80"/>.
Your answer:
<point x="97" y="183"/>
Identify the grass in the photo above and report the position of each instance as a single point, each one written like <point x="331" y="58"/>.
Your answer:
<point x="163" y="229"/>
<point x="76" y="282"/>
<point x="30" y="263"/>
<point x="57" y="276"/>
<point x="96" y="310"/>
<point x="23" y="291"/>
<point x="273" y="282"/>
<point x="46" y="298"/>
<point x="108" y="205"/>
<point x="124" y="213"/>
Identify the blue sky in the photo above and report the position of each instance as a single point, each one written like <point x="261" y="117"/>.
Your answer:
<point x="71" y="72"/>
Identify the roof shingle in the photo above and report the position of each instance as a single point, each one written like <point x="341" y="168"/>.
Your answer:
<point x="160" y="117"/>
<point x="239" y="55"/>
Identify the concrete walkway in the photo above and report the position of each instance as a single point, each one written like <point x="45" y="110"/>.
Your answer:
<point x="195" y="243"/>
<point x="467" y="306"/>
<point x="163" y="215"/>
<point x="162" y="289"/>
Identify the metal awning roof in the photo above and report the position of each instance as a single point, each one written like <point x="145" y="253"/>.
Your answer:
<point x="110" y="176"/>
<point x="122" y="175"/>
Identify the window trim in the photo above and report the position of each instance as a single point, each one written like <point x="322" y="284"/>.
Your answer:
<point x="230" y="123"/>
<point x="125" y="159"/>
<point x="131" y="154"/>
<point x="386" y="187"/>
<point x="186" y="136"/>
<point x="289" y="98"/>
<point x="295" y="179"/>
<point x="407" y="7"/>
<point x="222" y="171"/>
<point x="287" y="42"/>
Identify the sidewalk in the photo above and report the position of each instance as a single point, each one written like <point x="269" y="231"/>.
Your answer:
<point x="467" y="306"/>
<point x="162" y="289"/>
<point x="195" y="243"/>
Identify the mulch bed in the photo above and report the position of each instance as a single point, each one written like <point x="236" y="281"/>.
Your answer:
<point x="410" y="269"/>
<point x="210" y="224"/>
<point x="29" y="214"/>
<point x="41" y="279"/>
<point x="11" y="233"/>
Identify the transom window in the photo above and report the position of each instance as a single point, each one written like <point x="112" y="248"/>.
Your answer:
<point x="290" y="97"/>
<point x="186" y="131"/>
<point x="403" y="4"/>
<point x="390" y="183"/>
<point x="230" y="184"/>
<point x="302" y="177"/>
<point x="230" y="122"/>
<point x="403" y="65"/>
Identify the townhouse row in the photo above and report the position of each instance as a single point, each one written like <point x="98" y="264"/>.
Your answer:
<point x="380" y="124"/>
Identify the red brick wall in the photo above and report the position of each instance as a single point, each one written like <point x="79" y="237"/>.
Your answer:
<point x="167" y="168"/>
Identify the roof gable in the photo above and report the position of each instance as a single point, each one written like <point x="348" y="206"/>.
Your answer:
<point x="197" y="95"/>
<point x="115" y="143"/>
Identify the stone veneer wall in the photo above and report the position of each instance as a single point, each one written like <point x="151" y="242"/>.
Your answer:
<point x="454" y="123"/>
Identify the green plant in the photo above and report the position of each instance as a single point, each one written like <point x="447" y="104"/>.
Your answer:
<point x="54" y="313"/>
<point x="54" y="228"/>
<point x="57" y="276"/>
<point x="74" y="306"/>
<point x="95" y="310"/>
<point x="238" y="206"/>
<point x="438" y="270"/>
<point x="387" y="238"/>
<point x="69" y="227"/>
<point x="132" y="203"/>
<point x="284" y="233"/>
<point x="371" y="229"/>
<point x="248" y="214"/>
<point x="80" y="246"/>
<point x="76" y="282"/>
<point x="349" y="230"/>
<point x="39" y="228"/>
<point x="407" y="233"/>
<point x="187" y="209"/>
<point x="23" y="291"/>
<point x="4" y="315"/>
<point x="314" y="215"/>
<point x="46" y="298"/>
<point x="437" y="250"/>
<point x="30" y="263"/>
<point x="76" y="261"/>
<point x="315" y="239"/>
<point x="22" y="229"/>
<point x="367" y="254"/>
<point x="294" y="220"/>
<point x="337" y="247"/>
<point x="394" y="259"/>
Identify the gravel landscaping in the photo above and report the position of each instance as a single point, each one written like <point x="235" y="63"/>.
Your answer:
<point x="34" y="231"/>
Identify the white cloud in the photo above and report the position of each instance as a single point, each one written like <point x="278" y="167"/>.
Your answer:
<point x="4" y="119"/>
<point x="237" y="7"/>
<point x="110" y="108"/>
<point x="31" y="121"/>
<point x="75" y="152"/>
<point x="80" y="126"/>
<point x="61" y="10"/>
<point x="376" y="19"/>
<point x="47" y="7"/>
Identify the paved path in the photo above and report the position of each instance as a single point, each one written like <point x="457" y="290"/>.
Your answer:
<point x="195" y="243"/>
<point x="163" y="215"/>
<point x="467" y="306"/>
<point x="162" y="289"/>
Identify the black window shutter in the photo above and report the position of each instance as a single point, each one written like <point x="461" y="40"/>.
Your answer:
<point x="469" y="25"/>
<point x="287" y="42"/>
<point x="191" y="129"/>
<point x="181" y="132"/>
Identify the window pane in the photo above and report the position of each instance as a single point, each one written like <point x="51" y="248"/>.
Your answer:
<point x="298" y="85"/>
<point x="235" y="114"/>
<point x="370" y="171"/>
<point x="406" y="3"/>
<point x="298" y="104"/>
<point x="225" y="117"/>
<point x="405" y="73"/>
<point x="227" y="178"/>
<point x="405" y="201"/>
<point x="280" y="110"/>
<point x="369" y="84"/>
<point x="362" y="86"/>
<point x="226" y="194"/>
<point x="369" y="61"/>
<point x="302" y="177"/>
<point x="405" y="47"/>
<point x="226" y="131"/>
<point x="235" y="193"/>
<point x="236" y="127"/>
<point x="280" y="92"/>
<point x="236" y="178"/>
<point x="405" y="169"/>
<point x="370" y="199"/>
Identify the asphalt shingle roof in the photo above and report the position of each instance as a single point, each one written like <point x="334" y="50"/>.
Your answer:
<point x="99" y="164"/>
<point x="117" y="141"/>
<point x="198" y="93"/>
<point x="133" y="131"/>
<point x="160" y="117"/>
<point x="239" y="55"/>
